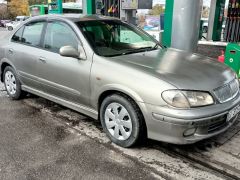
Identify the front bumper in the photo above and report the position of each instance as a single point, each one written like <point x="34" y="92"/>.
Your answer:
<point x="170" y="125"/>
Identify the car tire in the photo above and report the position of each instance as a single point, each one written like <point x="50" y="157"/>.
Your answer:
<point x="12" y="84"/>
<point x="122" y="120"/>
<point x="10" y="28"/>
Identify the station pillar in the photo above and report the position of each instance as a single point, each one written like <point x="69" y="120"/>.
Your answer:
<point x="89" y="7"/>
<point x="182" y="24"/>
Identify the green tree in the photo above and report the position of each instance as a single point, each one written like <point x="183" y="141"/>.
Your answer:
<point x="157" y="10"/>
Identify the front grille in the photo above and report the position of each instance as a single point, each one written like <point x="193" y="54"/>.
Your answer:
<point x="227" y="92"/>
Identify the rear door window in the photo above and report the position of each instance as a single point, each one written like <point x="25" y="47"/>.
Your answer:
<point x="32" y="33"/>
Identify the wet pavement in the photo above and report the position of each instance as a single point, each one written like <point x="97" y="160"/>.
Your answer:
<point x="35" y="145"/>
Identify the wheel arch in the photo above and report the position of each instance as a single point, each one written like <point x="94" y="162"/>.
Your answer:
<point x="133" y="96"/>
<point x="4" y="64"/>
<point x="106" y="93"/>
<point x="115" y="88"/>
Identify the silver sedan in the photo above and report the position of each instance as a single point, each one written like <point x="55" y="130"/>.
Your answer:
<point x="115" y="72"/>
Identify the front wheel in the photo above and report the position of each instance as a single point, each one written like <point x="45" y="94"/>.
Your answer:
<point x="12" y="83"/>
<point x="10" y="28"/>
<point x="122" y="120"/>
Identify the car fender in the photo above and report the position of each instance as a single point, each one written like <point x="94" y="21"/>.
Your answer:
<point x="120" y="88"/>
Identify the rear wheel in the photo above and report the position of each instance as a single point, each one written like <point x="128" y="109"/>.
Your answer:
<point x="12" y="84"/>
<point x="121" y="120"/>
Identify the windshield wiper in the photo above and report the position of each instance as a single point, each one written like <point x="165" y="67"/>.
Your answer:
<point x="131" y="51"/>
<point x="148" y="48"/>
<point x="145" y="48"/>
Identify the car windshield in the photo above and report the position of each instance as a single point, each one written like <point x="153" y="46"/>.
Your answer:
<point x="114" y="38"/>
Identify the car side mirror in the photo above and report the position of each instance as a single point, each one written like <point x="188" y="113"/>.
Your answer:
<point x="69" y="51"/>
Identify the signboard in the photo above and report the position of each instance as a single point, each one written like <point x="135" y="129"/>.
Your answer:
<point x="55" y="6"/>
<point x="145" y="4"/>
<point x="72" y="5"/>
<point x="129" y="4"/>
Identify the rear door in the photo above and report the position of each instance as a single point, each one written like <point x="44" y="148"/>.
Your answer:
<point x="23" y="51"/>
<point x="64" y="77"/>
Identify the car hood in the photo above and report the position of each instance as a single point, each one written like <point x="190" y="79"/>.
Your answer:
<point x="182" y="69"/>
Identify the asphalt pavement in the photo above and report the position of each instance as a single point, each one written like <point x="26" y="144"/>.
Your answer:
<point x="34" y="145"/>
<point x="3" y="32"/>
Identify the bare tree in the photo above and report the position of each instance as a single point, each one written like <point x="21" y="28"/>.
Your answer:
<point x="3" y="11"/>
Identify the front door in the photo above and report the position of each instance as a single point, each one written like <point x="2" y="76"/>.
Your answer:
<point x="63" y="77"/>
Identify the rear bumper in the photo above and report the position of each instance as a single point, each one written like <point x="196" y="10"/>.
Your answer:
<point x="173" y="126"/>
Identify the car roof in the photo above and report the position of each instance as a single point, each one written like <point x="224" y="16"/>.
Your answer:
<point x="74" y="17"/>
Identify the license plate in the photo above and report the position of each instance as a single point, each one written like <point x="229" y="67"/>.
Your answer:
<point x="233" y="112"/>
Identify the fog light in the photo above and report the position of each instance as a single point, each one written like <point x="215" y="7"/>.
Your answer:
<point x="189" y="132"/>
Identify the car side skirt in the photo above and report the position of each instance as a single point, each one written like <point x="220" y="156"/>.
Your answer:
<point x="77" y="107"/>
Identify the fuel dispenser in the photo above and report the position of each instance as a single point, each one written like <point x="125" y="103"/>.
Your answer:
<point x="108" y="7"/>
<point x="232" y="35"/>
<point x="232" y="57"/>
<point x="232" y="28"/>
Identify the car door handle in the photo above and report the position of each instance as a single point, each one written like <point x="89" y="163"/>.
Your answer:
<point x="42" y="59"/>
<point x="10" y="51"/>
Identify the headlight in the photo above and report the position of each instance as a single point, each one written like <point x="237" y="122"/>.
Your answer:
<point x="187" y="99"/>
